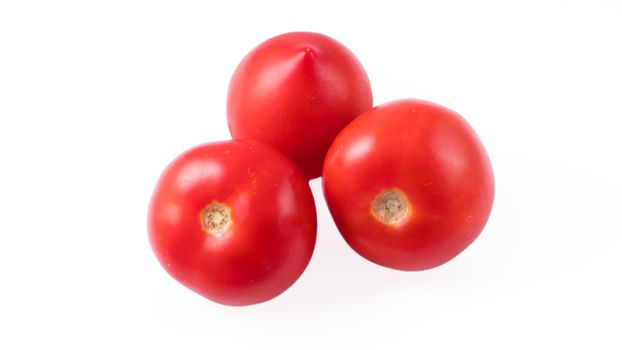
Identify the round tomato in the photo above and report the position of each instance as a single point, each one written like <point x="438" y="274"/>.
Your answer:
<point x="233" y="221"/>
<point x="295" y="92"/>
<point x="408" y="184"/>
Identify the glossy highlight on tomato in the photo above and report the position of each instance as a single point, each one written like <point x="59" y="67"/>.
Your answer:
<point x="234" y="221"/>
<point x="295" y="92"/>
<point x="409" y="184"/>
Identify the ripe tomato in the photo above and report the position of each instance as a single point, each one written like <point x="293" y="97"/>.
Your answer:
<point x="295" y="92"/>
<point x="408" y="184"/>
<point x="233" y="221"/>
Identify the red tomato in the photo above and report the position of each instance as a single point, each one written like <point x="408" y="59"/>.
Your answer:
<point x="233" y="221"/>
<point x="408" y="184"/>
<point x="295" y="92"/>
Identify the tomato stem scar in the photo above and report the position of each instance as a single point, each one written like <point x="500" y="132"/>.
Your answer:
<point x="391" y="207"/>
<point x="216" y="219"/>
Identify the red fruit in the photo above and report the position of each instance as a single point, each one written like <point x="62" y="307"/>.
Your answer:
<point x="295" y="92"/>
<point x="408" y="184"/>
<point x="233" y="221"/>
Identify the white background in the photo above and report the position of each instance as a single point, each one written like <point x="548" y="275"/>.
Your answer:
<point x="96" y="97"/>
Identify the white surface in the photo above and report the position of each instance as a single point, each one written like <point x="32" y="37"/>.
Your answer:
<point x="97" y="97"/>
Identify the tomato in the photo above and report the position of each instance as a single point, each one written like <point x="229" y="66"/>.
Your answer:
<point x="233" y="221"/>
<point x="408" y="184"/>
<point x="295" y="92"/>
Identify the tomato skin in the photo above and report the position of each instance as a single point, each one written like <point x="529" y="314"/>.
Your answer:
<point x="434" y="158"/>
<point x="273" y="222"/>
<point x="295" y="92"/>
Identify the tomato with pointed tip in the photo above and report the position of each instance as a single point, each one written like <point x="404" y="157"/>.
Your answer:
<point x="408" y="184"/>
<point x="295" y="92"/>
<point x="233" y="221"/>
